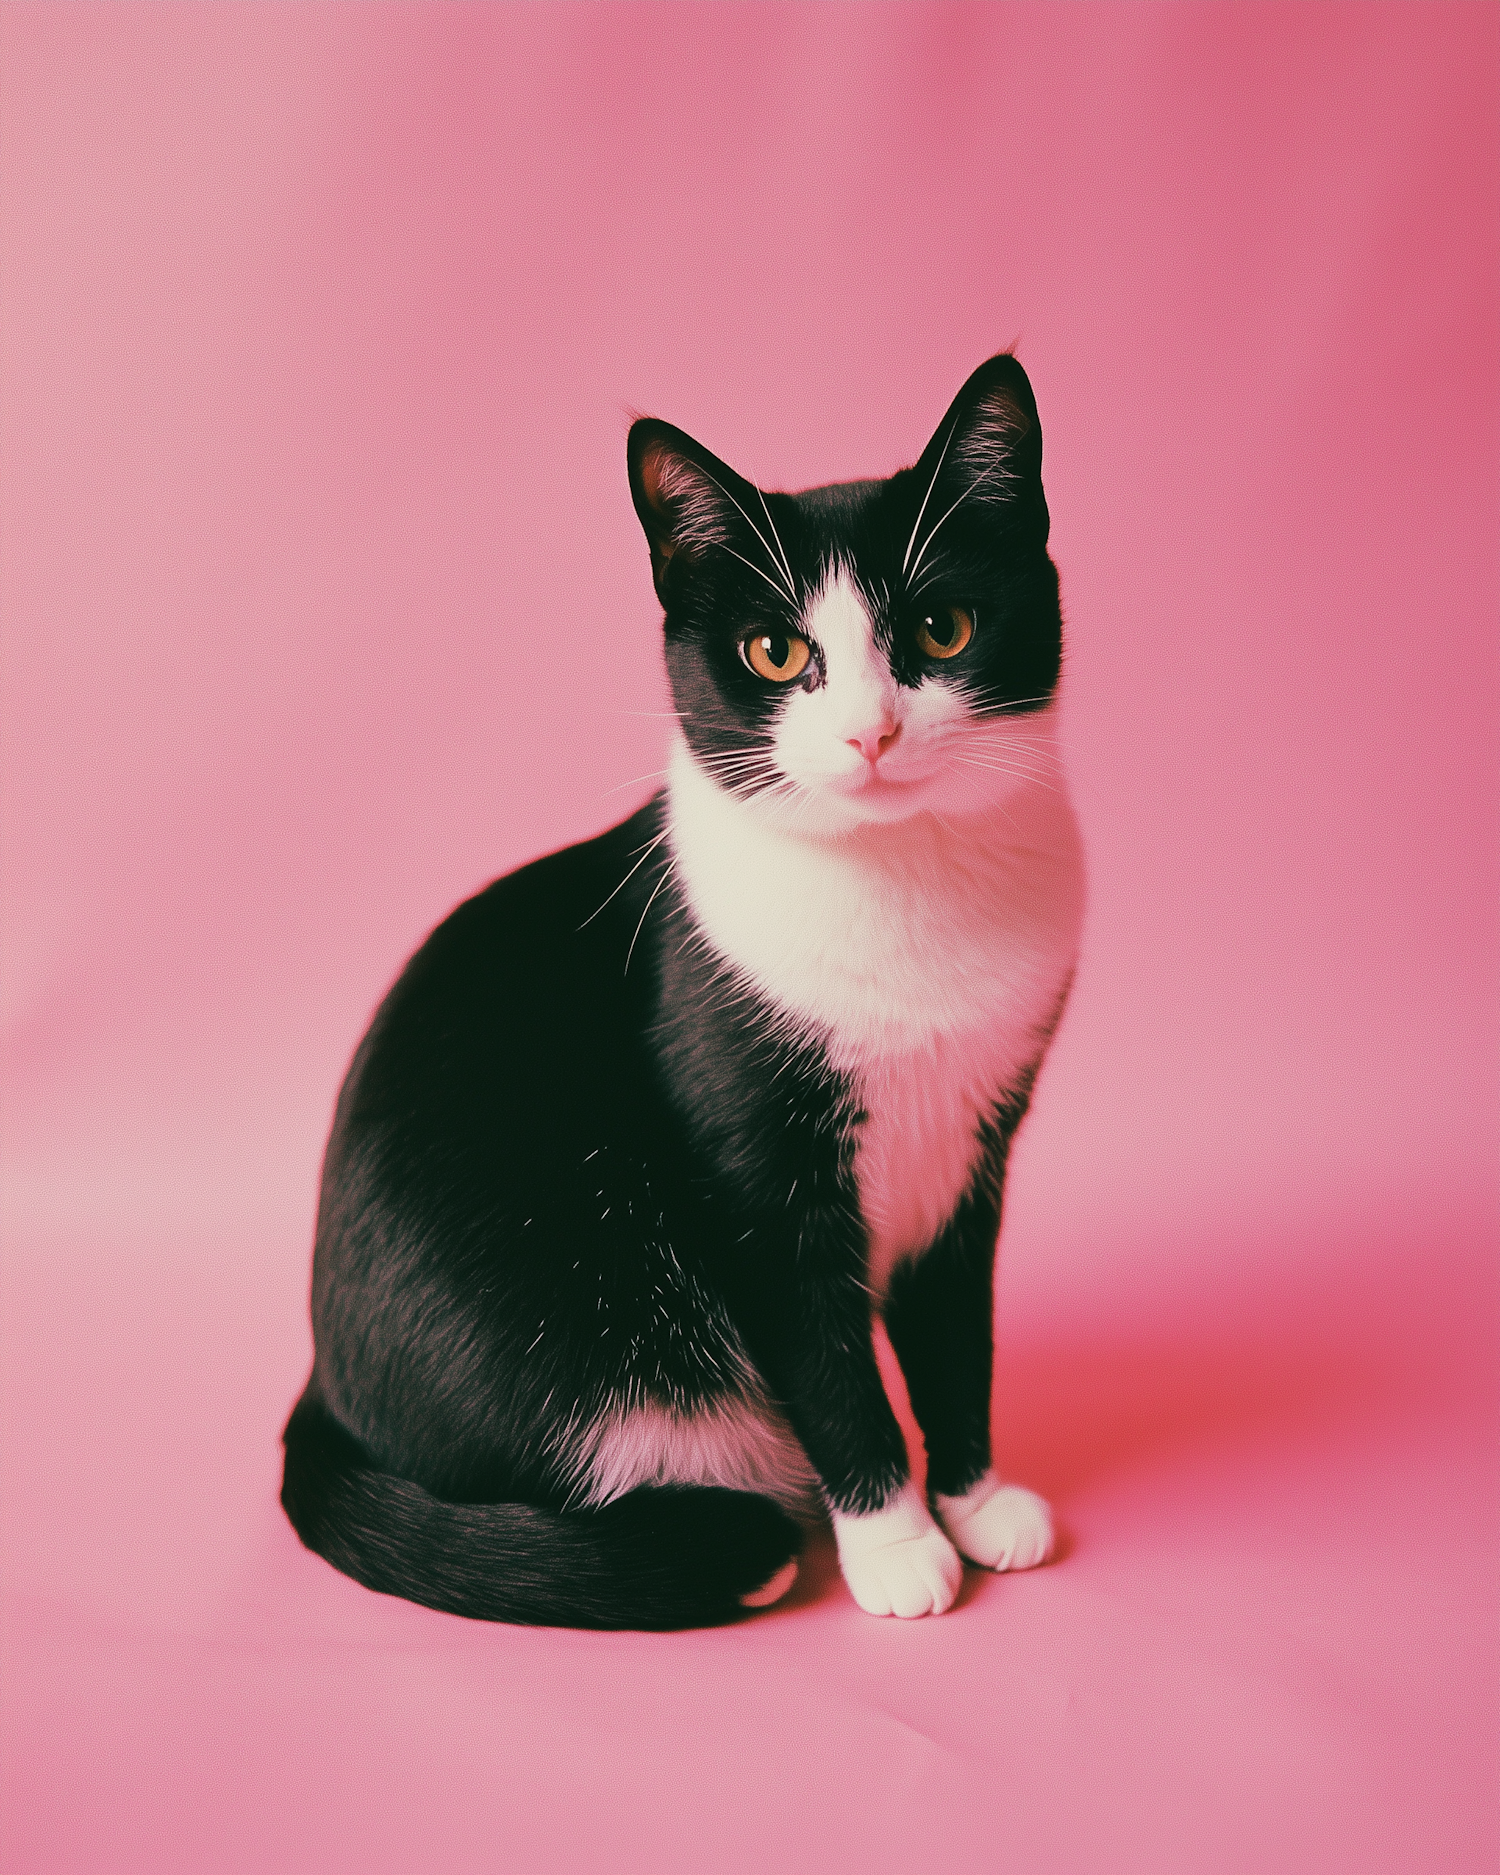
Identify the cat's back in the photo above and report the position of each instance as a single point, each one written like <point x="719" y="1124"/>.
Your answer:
<point x="514" y="1029"/>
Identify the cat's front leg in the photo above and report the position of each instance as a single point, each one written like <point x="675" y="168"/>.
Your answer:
<point x="818" y="1352"/>
<point x="940" y="1316"/>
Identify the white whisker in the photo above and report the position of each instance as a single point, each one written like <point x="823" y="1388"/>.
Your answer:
<point x="790" y="590"/>
<point x="932" y="484"/>
<point x="745" y="751"/>
<point x="650" y="849"/>
<point x="727" y="764"/>
<point x="655" y="775"/>
<point x="1001" y="768"/>
<point x="983" y="476"/>
<point x="786" y="564"/>
<point x="734" y="771"/>
<point x="667" y="872"/>
<point x="775" y="585"/>
<point x="934" y="573"/>
<point x="1019" y="758"/>
<point x="1043" y="751"/>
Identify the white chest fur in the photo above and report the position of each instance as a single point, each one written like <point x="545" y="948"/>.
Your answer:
<point x="927" y="959"/>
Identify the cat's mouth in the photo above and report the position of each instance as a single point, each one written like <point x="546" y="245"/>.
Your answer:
<point x="875" y="778"/>
<point x="873" y="793"/>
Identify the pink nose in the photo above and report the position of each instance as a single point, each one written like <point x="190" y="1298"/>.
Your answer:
<point x="874" y="742"/>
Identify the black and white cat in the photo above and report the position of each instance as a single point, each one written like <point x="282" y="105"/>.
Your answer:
<point x="646" y="1130"/>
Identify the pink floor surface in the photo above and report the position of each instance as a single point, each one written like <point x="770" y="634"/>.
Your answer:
<point x="317" y="328"/>
<point x="1266" y="1644"/>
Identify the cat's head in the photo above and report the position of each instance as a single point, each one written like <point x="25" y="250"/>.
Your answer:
<point x="868" y="651"/>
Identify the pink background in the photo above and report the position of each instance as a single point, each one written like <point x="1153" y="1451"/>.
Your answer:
<point x="324" y="602"/>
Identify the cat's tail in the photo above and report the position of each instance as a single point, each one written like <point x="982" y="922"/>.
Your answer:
<point x="659" y="1557"/>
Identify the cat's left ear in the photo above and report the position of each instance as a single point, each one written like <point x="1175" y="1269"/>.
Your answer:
<point x="687" y="499"/>
<point x="984" y="464"/>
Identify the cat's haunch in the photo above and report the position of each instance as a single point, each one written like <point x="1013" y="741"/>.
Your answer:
<point x="646" y="1131"/>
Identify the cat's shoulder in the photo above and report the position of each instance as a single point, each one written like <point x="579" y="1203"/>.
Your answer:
<point x="561" y="895"/>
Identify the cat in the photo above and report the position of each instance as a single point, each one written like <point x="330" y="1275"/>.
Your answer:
<point x="647" y="1131"/>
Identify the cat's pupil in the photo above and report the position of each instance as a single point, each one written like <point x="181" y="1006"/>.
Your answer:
<point x="941" y="630"/>
<point x="778" y="650"/>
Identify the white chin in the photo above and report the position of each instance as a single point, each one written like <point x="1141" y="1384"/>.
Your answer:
<point x="835" y="808"/>
<point x="887" y="800"/>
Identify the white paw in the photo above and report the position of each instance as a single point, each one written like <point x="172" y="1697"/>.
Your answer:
<point x="897" y="1561"/>
<point x="999" y="1526"/>
<point x="918" y="1575"/>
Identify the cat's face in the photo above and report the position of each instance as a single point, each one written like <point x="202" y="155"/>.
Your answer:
<point x="869" y="651"/>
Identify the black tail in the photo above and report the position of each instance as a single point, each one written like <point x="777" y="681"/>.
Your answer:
<point x="669" y="1557"/>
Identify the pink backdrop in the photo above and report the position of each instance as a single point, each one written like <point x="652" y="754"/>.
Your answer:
<point x="324" y="602"/>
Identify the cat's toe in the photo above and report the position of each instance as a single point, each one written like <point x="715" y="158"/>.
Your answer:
<point x="920" y="1575"/>
<point x="772" y="1591"/>
<point x="999" y="1526"/>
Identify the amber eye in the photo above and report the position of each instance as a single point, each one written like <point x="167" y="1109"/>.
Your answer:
<point x="945" y="634"/>
<point x="781" y="656"/>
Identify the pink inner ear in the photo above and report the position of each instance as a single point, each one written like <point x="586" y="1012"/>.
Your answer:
<point x="656" y="484"/>
<point x="682" y="497"/>
<point x="653" y="465"/>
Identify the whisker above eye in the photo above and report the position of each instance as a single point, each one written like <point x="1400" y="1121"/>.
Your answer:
<point x="998" y="468"/>
<point x="775" y="584"/>
<point x="786" y="564"/>
<point x="932" y="484"/>
<point x="790" y="591"/>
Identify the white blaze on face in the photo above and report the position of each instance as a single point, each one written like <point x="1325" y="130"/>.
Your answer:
<point x="819" y="732"/>
<point x="825" y="736"/>
<point x="940" y="752"/>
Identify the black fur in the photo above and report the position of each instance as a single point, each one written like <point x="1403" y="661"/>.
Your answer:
<point x="573" y="1165"/>
<point x="666" y="1558"/>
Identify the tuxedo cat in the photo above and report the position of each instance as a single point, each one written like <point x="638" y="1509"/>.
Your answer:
<point x="646" y="1131"/>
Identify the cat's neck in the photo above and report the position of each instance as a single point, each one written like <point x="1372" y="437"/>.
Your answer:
<point x="853" y="932"/>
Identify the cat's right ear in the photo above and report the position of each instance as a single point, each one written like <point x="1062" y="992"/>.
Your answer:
<point x="685" y="497"/>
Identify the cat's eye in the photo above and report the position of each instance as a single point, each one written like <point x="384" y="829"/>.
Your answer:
<point x="945" y="633"/>
<point x="781" y="656"/>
